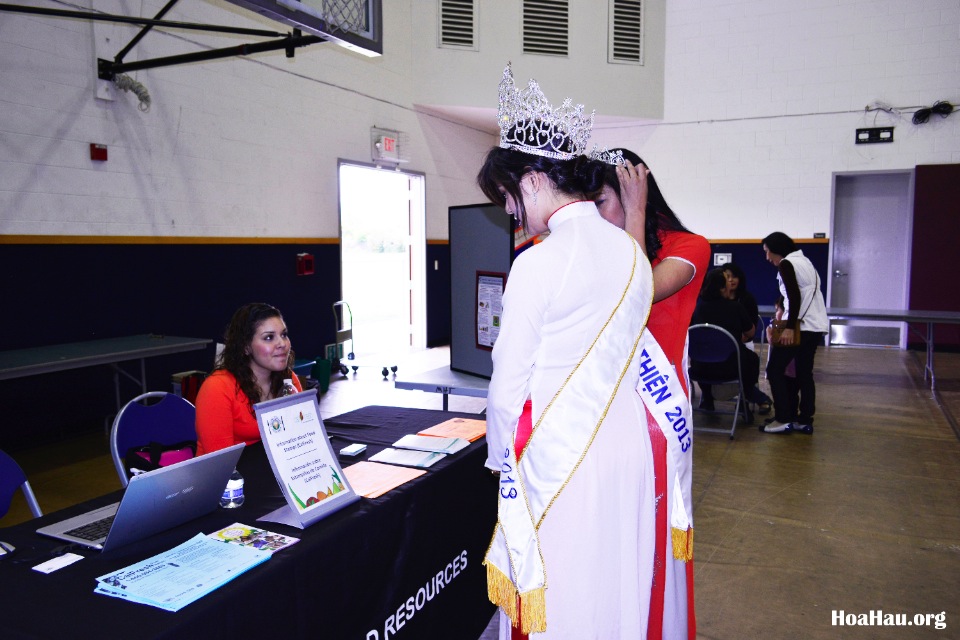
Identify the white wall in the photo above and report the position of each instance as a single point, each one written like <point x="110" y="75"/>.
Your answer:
<point x="761" y="101"/>
<point x="763" y="98"/>
<point x="241" y="147"/>
<point x="450" y="77"/>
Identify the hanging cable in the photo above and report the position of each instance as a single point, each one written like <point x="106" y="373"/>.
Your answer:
<point x="125" y="82"/>
<point x="942" y="108"/>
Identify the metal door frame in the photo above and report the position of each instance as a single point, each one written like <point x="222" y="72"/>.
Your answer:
<point x="420" y="313"/>
<point x="911" y="179"/>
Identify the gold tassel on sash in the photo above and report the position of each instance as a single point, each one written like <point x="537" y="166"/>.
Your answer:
<point x="532" y="605"/>
<point x="501" y="591"/>
<point x="533" y="611"/>
<point x="682" y="543"/>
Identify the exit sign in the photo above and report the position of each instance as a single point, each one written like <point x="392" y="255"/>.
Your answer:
<point x="387" y="146"/>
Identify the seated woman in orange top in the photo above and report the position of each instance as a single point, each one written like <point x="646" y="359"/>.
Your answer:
<point x="255" y="362"/>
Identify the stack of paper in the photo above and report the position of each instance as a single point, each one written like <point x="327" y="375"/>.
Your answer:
<point x="372" y="480"/>
<point x="432" y="443"/>
<point x="186" y="573"/>
<point x="465" y="428"/>
<point x="408" y="457"/>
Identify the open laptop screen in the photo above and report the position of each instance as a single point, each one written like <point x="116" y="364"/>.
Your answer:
<point x="156" y="501"/>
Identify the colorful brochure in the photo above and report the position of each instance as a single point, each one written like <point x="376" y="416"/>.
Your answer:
<point x="248" y="536"/>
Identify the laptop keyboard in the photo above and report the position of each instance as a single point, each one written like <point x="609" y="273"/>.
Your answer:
<point x="93" y="531"/>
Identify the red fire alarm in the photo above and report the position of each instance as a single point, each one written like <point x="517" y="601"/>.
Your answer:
<point x="304" y="264"/>
<point x="98" y="152"/>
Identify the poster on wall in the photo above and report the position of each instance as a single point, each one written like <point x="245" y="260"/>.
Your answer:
<point x="489" y="307"/>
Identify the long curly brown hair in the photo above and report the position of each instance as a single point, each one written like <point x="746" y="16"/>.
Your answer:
<point x="234" y="357"/>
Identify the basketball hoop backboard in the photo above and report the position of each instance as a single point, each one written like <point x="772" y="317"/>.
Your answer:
<point x="354" y="24"/>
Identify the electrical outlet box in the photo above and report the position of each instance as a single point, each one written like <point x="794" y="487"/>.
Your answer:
<point x="874" y="134"/>
<point x="720" y="259"/>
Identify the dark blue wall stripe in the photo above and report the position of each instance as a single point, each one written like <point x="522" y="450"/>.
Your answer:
<point x="55" y="293"/>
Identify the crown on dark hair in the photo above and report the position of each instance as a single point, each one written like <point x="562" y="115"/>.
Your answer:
<point x="528" y="123"/>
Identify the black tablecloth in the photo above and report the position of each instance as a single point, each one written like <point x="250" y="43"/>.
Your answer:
<point x="405" y="565"/>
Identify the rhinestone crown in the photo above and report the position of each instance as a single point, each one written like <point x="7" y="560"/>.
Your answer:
<point x="614" y="157"/>
<point x="528" y="123"/>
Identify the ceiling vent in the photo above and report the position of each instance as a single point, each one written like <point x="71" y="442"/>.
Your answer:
<point x="546" y="26"/>
<point x="458" y="24"/>
<point x="626" y="32"/>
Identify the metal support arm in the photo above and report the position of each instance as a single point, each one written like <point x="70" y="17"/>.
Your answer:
<point x="123" y="52"/>
<point x="106" y="70"/>
<point x="107" y="17"/>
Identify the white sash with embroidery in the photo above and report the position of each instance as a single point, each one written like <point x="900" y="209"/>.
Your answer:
<point x="516" y="576"/>
<point x="665" y="399"/>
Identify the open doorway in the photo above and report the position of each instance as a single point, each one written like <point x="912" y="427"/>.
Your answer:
<point x="870" y="254"/>
<point x="382" y="258"/>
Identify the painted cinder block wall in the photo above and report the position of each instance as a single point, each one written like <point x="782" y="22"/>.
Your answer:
<point x="762" y="100"/>
<point x="753" y="109"/>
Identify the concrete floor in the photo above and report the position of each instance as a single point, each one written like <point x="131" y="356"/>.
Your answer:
<point x="862" y="516"/>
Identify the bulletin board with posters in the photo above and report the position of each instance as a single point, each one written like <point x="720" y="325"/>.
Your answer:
<point x="481" y="253"/>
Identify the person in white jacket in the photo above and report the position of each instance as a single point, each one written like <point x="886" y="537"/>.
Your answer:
<point x="799" y="285"/>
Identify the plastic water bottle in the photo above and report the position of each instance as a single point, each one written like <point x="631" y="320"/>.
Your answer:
<point x="233" y="494"/>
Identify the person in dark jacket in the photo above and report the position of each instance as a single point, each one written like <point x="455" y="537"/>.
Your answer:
<point x="737" y="290"/>
<point x="714" y="307"/>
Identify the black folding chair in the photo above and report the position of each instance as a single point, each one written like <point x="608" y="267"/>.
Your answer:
<point x="711" y="344"/>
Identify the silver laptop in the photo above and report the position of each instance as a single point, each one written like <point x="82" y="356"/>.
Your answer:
<point x="153" y="502"/>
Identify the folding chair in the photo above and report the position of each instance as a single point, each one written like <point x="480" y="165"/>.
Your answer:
<point x="12" y="478"/>
<point x="711" y="344"/>
<point x="169" y="421"/>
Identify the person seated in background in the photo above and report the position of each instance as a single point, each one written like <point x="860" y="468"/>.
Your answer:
<point x="737" y="290"/>
<point x="255" y="365"/>
<point x="715" y="308"/>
